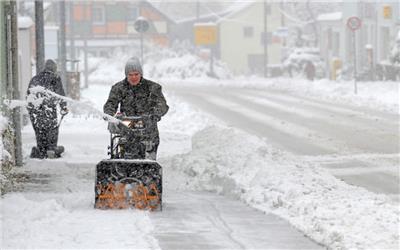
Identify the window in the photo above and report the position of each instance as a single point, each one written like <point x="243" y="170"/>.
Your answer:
<point x="268" y="9"/>
<point x="248" y="31"/>
<point x="98" y="15"/>
<point x="133" y="13"/>
<point x="369" y="10"/>
<point x="269" y="38"/>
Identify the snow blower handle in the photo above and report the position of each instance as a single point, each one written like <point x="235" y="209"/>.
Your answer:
<point x="64" y="111"/>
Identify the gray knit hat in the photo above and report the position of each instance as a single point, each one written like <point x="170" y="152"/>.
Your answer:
<point x="133" y="64"/>
<point x="50" y="65"/>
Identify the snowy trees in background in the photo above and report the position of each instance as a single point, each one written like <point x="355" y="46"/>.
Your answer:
<point x="303" y="32"/>
<point x="302" y="43"/>
<point x="390" y="70"/>
<point x="180" y="61"/>
<point x="395" y="53"/>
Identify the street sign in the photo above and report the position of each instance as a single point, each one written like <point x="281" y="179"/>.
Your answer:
<point x="205" y="34"/>
<point x="354" y="23"/>
<point x="141" y="25"/>
<point x="387" y="12"/>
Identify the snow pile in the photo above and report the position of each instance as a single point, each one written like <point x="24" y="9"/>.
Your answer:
<point x="180" y="62"/>
<point x="326" y="209"/>
<point x="375" y="95"/>
<point x="177" y="62"/>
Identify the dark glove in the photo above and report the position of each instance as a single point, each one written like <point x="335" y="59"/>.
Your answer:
<point x="155" y="118"/>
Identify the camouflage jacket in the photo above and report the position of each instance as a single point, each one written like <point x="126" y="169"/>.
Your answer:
<point x="143" y="99"/>
<point x="47" y="109"/>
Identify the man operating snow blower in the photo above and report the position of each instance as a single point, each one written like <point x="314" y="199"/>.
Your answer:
<point x="137" y="96"/>
<point x="42" y="108"/>
<point x="132" y="177"/>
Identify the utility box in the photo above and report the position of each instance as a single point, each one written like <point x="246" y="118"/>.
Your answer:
<point x="336" y="65"/>
<point x="73" y="83"/>
<point x="73" y="78"/>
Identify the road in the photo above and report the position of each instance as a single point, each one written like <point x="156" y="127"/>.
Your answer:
<point x="358" y="145"/>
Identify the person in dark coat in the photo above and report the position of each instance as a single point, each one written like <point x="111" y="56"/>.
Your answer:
<point x="42" y="108"/>
<point x="309" y="70"/>
<point x="137" y="96"/>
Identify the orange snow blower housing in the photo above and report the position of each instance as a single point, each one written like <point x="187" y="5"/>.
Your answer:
<point x="129" y="179"/>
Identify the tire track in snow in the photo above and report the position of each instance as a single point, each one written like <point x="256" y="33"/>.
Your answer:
<point x="343" y="134"/>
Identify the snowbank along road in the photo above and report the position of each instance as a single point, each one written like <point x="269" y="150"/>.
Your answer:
<point x="358" y="145"/>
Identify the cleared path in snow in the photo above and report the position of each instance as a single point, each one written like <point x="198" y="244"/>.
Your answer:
<point x="200" y="220"/>
<point x="358" y="145"/>
<point x="64" y="188"/>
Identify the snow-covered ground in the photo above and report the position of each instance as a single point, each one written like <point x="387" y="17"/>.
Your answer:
<point x="201" y="153"/>
<point x="198" y="152"/>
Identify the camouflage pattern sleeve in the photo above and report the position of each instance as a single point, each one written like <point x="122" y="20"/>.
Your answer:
<point x="111" y="105"/>
<point x="160" y="104"/>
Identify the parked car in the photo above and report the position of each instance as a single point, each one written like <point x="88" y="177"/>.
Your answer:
<point x="302" y="61"/>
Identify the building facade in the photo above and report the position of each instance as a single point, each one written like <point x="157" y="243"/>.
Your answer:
<point x="380" y="23"/>
<point x="103" y="25"/>
<point x="242" y="33"/>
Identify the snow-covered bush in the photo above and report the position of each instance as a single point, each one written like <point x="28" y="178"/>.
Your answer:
<point x="6" y="140"/>
<point x="180" y="61"/>
<point x="395" y="53"/>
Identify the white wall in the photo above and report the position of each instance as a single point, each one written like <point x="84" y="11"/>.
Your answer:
<point x="235" y="48"/>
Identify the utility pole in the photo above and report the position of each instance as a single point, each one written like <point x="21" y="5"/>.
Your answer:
<point x="85" y="53"/>
<point x="71" y="36"/>
<point x="13" y="76"/>
<point x="265" y="39"/>
<point x="62" y="52"/>
<point x="197" y="10"/>
<point x="3" y="57"/>
<point x="39" y="32"/>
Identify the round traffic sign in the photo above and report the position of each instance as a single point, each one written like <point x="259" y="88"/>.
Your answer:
<point x="354" y="23"/>
<point x="141" y="25"/>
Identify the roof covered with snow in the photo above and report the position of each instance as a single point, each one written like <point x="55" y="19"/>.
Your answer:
<point x="333" y="16"/>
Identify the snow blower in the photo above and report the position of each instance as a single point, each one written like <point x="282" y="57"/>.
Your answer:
<point x="130" y="178"/>
<point x="54" y="152"/>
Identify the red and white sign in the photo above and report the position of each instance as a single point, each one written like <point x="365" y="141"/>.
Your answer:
<point x="354" y="23"/>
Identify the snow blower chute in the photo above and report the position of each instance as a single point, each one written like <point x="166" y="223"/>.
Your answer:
<point x="129" y="179"/>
